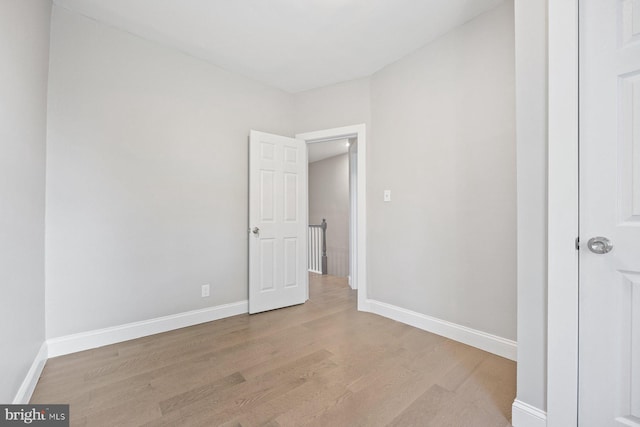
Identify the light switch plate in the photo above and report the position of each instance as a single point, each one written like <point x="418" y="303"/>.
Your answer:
<point x="387" y="195"/>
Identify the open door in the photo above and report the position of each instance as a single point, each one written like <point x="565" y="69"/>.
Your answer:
<point x="277" y="222"/>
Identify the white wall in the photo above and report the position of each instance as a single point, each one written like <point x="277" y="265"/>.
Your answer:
<point x="24" y="58"/>
<point x="146" y="177"/>
<point x="342" y="104"/>
<point x="329" y="199"/>
<point x="531" y="119"/>
<point x="443" y="141"/>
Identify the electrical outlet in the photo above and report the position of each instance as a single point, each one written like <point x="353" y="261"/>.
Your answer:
<point x="205" y="290"/>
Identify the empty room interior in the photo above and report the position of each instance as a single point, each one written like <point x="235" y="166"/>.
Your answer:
<point x="165" y="165"/>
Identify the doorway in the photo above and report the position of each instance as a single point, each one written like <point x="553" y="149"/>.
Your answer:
<point x="357" y="210"/>
<point x="330" y="200"/>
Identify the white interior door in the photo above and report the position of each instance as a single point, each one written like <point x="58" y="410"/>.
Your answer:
<point x="277" y="222"/>
<point x="609" y="331"/>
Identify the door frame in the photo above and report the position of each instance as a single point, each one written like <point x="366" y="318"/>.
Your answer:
<point x="359" y="275"/>
<point x="353" y="210"/>
<point x="563" y="213"/>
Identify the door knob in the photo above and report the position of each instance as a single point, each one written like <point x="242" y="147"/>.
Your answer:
<point x="599" y="245"/>
<point x="255" y="230"/>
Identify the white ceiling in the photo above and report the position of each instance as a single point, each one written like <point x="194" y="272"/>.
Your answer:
<point x="294" y="45"/>
<point x="323" y="150"/>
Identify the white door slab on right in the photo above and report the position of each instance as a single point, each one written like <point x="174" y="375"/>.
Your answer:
<point x="609" y="327"/>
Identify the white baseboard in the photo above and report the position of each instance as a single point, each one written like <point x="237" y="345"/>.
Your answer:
<point x="31" y="380"/>
<point x="101" y="337"/>
<point x="525" y="415"/>
<point x="482" y="340"/>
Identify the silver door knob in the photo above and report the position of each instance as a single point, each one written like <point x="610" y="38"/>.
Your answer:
<point x="599" y="245"/>
<point x="255" y="230"/>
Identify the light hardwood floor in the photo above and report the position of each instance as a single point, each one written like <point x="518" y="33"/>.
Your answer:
<point x="321" y="363"/>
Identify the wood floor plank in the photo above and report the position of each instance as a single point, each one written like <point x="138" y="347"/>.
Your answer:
<point x="423" y="411"/>
<point x="199" y="393"/>
<point x="320" y="363"/>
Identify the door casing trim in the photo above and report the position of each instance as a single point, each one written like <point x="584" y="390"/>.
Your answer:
<point x="563" y="213"/>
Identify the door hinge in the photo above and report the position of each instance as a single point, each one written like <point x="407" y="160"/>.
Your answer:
<point x="577" y="243"/>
